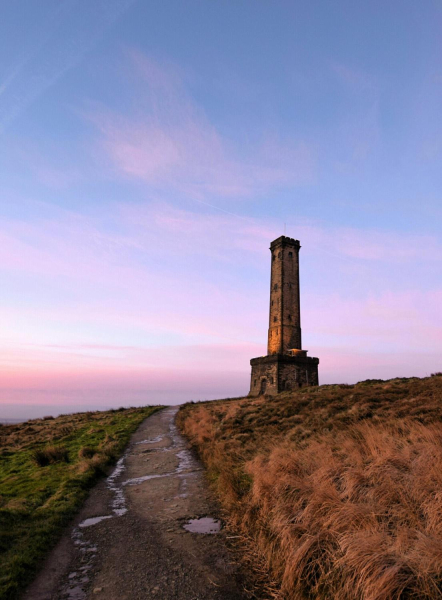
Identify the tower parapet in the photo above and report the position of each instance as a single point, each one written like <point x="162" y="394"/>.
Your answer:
<point x="286" y="365"/>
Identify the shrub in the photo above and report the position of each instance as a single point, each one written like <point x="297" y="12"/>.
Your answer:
<point x="50" y="455"/>
<point x="110" y="449"/>
<point x="86" y="452"/>
<point x="98" y="463"/>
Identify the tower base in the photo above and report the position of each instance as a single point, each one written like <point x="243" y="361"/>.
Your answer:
<point x="281" y="372"/>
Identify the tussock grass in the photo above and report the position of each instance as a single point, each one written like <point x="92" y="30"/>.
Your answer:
<point x="86" y="452"/>
<point x="336" y="490"/>
<point x="50" y="455"/>
<point x="46" y="469"/>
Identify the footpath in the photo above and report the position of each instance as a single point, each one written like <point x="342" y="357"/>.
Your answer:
<point x="134" y="537"/>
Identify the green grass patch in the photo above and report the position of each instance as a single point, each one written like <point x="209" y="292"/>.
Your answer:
<point x="47" y="467"/>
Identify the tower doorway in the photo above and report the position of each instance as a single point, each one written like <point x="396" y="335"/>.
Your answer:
<point x="263" y="386"/>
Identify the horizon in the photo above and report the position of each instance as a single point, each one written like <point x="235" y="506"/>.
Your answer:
<point x="149" y="155"/>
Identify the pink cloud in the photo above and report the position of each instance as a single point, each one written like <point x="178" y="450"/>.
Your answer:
<point x="123" y="280"/>
<point x="120" y="375"/>
<point x="389" y="322"/>
<point x="172" y="297"/>
<point x="339" y="365"/>
<point x="171" y="143"/>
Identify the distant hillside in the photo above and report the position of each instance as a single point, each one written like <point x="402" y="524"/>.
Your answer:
<point x="336" y="490"/>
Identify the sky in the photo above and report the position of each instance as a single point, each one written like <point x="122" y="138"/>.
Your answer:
<point x="150" y="151"/>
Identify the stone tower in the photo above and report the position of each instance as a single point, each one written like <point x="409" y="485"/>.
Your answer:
<point x="285" y="314"/>
<point x="286" y="365"/>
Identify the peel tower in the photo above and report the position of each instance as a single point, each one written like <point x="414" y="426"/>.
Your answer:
<point x="286" y="365"/>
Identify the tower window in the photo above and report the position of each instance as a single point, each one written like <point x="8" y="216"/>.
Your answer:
<point x="273" y="256"/>
<point x="289" y="317"/>
<point x="275" y="287"/>
<point x="275" y="319"/>
<point x="290" y="254"/>
<point x="279" y="255"/>
<point x="272" y="302"/>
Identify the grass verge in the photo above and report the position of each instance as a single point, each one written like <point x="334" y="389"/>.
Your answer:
<point x="47" y="467"/>
<point x="336" y="491"/>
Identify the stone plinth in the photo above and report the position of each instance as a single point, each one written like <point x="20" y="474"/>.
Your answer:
<point x="281" y="372"/>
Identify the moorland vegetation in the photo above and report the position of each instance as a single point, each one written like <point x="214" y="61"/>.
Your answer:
<point x="335" y="491"/>
<point x="46" y="469"/>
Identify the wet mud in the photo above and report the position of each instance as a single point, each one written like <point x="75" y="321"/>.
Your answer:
<point x="145" y="531"/>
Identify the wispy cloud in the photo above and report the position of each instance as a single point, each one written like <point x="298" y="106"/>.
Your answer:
<point x="87" y="248"/>
<point x="371" y="244"/>
<point x="386" y="321"/>
<point x="152" y="286"/>
<point x="170" y="143"/>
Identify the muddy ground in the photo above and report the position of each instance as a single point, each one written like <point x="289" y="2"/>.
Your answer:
<point x="128" y="542"/>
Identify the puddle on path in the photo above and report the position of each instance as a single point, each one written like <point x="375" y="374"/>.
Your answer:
<point x="119" y="501"/>
<point x="154" y="440"/>
<point x="94" y="521"/>
<point x="203" y="525"/>
<point x="77" y="580"/>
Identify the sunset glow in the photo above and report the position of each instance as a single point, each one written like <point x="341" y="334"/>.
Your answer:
<point x="142" y="181"/>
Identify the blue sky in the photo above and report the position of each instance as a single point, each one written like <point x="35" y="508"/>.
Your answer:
<point x="150" y="151"/>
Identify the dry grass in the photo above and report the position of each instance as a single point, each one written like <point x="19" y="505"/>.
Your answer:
<point x="336" y="490"/>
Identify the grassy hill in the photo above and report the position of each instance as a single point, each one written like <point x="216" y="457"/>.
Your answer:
<point x="46" y="469"/>
<point x="336" y="491"/>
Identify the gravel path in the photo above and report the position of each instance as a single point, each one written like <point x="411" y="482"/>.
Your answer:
<point x="128" y="542"/>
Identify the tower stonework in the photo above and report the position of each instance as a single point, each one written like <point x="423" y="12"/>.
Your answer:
<point x="286" y="365"/>
<point x="285" y="313"/>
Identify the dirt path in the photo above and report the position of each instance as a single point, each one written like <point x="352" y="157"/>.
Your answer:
<point x="128" y="542"/>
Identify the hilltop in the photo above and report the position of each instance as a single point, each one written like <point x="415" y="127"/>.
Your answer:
<point x="336" y="490"/>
